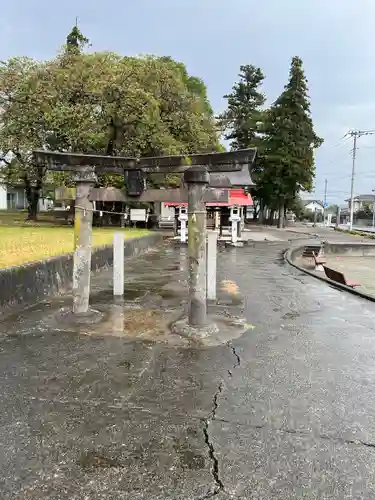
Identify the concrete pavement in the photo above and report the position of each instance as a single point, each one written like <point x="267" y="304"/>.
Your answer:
<point x="283" y="412"/>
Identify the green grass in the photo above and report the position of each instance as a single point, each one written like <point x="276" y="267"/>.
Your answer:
<point x="18" y="217"/>
<point x="356" y="233"/>
<point x="24" y="242"/>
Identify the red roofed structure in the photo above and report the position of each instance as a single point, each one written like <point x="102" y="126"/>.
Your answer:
<point x="237" y="197"/>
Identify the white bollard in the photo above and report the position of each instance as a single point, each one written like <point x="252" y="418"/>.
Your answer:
<point x="234" y="231"/>
<point x="183" y="231"/>
<point x="118" y="264"/>
<point x="211" y="265"/>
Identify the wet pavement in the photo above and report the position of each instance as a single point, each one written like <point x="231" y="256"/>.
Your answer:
<point x="283" y="412"/>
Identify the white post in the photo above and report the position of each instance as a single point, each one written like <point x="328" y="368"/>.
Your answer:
<point x="217" y="219"/>
<point x="183" y="231"/>
<point x="183" y="218"/>
<point x="211" y="264"/>
<point x="118" y="264"/>
<point x="234" y="231"/>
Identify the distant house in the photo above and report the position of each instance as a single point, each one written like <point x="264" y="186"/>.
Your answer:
<point x="14" y="198"/>
<point x="313" y="205"/>
<point x="360" y="201"/>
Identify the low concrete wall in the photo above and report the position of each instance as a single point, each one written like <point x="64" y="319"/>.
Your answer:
<point x="28" y="284"/>
<point x="350" y="249"/>
<point x="353" y="249"/>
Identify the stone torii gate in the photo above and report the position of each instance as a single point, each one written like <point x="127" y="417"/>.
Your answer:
<point x="196" y="169"/>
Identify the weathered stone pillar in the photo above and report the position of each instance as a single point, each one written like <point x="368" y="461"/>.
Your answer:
<point x="197" y="179"/>
<point x="338" y="213"/>
<point x="85" y="180"/>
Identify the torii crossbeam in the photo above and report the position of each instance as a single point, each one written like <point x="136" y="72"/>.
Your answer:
<point x="214" y="162"/>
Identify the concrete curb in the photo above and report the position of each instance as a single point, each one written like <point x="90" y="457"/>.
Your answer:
<point x="305" y="233"/>
<point x="289" y="256"/>
<point x="29" y="284"/>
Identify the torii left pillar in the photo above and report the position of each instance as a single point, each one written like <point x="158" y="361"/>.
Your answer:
<point x="85" y="180"/>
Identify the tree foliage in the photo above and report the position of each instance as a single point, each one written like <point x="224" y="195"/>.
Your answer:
<point x="284" y="135"/>
<point x="76" y="41"/>
<point x="99" y="102"/>
<point x="241" y="121"/>
<point x="290" y="139"/>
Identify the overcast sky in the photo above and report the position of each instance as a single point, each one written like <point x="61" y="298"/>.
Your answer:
<point x="335" y="39"/>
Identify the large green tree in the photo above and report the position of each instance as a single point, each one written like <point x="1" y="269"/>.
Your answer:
<point x="99" y="102"/>
<point x="290" y="141"/>
<point x="241" y="121"/>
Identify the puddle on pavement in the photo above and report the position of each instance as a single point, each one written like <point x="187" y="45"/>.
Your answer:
<point x="130" y="295"/>
<point x="148" y="324"/>
<point x="280" y="261"/>
<point x="95" y="460"/>
<point x="291" y="315"/>
<point x="155" y="298"/>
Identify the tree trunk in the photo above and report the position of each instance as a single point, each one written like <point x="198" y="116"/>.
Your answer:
<point x="32" y="207"/>
<point x="261" y="212"/>
<point x="33" y="195"/>
<point x="280" y="223"/>
<point x="271" y="217"/>
<point x="256" y="212"/>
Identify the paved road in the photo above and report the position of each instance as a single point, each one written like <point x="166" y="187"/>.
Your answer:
<point x="284" y="412"/>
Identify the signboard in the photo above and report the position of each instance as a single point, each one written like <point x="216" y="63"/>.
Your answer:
<point x="138" y="215"/>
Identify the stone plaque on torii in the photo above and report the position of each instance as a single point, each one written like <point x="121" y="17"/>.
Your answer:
<point x="196" y="169"/>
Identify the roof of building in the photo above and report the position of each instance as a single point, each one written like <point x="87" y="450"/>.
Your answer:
<point x="363" y="197"/>
<point x="307" y="202"/>
<point x="237" y="197"/>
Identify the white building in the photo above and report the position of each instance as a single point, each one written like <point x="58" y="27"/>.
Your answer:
<point x="313" y="205"/>
<point x="360" y="201"/>
<point x="14" y="198"/>
<point x="3" y="197"/>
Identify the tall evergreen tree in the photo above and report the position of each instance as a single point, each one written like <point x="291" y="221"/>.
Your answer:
<point x="76" y="41"/>
<point x="290" y="141"/>
<point x="241" y="120"/>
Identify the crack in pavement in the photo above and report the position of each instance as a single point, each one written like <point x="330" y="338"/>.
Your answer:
<point x="336" y="439"/>
<point x="218" y="484"/>
<point x="215" y="401"/>
<point x="235" y="354"/>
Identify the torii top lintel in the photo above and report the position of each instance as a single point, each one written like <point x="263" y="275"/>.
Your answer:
<point x="232" y="161"/>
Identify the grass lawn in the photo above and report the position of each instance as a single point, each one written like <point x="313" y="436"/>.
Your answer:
<point x="28" y="243"/>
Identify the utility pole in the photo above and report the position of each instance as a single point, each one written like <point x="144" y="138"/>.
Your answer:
<point x="356" y="134"/>
<point x="325" y="201"/>
<point x="373" y="210"/>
